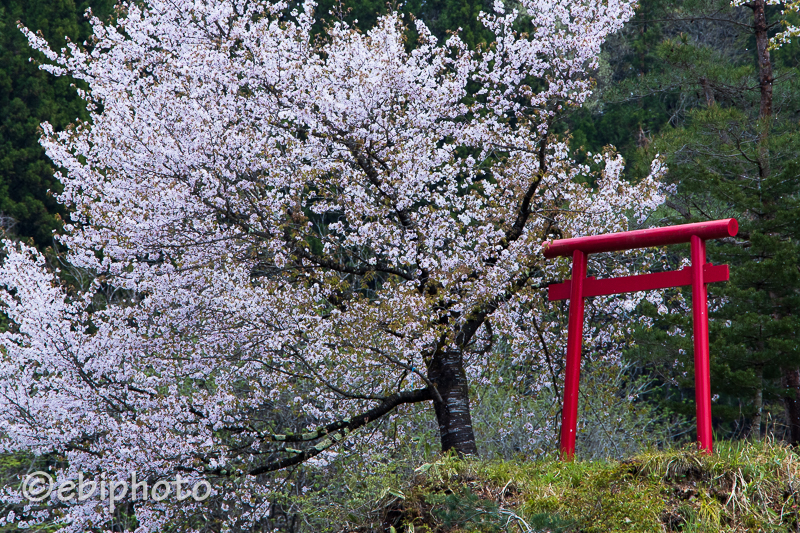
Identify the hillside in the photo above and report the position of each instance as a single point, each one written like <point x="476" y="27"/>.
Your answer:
<point x="742" y="487"/>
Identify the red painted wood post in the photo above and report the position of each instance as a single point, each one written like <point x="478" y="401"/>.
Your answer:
<point x="702" y="370"/>
<point x="569" y="414"/>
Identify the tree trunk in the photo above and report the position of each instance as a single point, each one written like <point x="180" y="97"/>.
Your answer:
<point x="758" y="401"/>
<point x="765" y="78"/>
<point x="791" y="381"/>
<point x="708" y="91"/>
<point x="446" y="372"/>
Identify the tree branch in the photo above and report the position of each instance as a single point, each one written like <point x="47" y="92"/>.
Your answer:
<point x="343" y="429"/>
<point x="525" y="206"/>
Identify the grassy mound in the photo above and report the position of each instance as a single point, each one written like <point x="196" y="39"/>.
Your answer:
<point x="741" y="487"/>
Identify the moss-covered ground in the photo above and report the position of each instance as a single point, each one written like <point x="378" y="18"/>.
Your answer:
<point x="743" y="486"/>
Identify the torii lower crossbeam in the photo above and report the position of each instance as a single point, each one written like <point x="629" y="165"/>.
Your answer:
<point x="580" y="287"/>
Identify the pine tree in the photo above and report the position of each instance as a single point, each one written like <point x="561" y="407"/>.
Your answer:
<point x="732" y="153"/>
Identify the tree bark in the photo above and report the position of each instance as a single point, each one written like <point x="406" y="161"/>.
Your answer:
<point x="446" y="372"/>
<point x="791" y="381"/>
<point x="765" y="78"/>
<point x="331" y="434"/>
<point x="708" y="91"/>
<point x="758" y="401"/>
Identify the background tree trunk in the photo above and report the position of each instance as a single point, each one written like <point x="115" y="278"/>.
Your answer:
<point x="758" y="403"/>
<point x="765" y="78"/>
<point x="791" y="381"/>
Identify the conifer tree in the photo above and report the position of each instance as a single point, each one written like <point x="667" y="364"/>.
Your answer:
<point x="732" y="145"/>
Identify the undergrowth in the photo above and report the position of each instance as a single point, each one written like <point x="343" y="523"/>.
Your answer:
<point x="742" y="487"/>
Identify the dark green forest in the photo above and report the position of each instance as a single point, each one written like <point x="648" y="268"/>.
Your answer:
<point x="29" y="96"/>
<point x="694" y="81"/>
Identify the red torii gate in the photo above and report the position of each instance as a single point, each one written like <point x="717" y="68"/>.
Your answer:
<point x="580" y="287"/>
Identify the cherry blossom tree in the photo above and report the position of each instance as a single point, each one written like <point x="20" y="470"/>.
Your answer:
<point x="331" y="227"/>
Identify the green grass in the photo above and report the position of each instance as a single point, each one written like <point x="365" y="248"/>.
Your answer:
<point x="743" y="486"/>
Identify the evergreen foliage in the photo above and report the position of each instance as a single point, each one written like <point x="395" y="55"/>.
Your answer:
<point x="442" y="17"/>
<point x="621" y="114"/>
<point x="732" y="141"/>
<point x="29" y="97"/>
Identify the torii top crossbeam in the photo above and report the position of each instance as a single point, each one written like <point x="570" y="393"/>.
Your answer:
<point x="643" y="238"/>
<point x="580" y="287"/>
